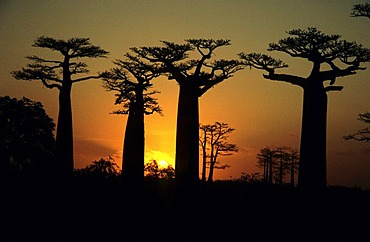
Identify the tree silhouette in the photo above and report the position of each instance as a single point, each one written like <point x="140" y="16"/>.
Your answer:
<point x="362" y="134"/>
<point x="342" y="58"/>
<point x="276" y="162"/>
<point x="213" y="143"/>
<point x="131" y="79"/>
<point x="100" y="169"/>
<point x="58" y="74"/>
<point x="293" y="165"/>
<point x="361" y="10"/>
<point x="26" y="136"/>
<point x="153" y="170"/>
<point x="266" y="162"/>
<point x="195" y="77"/>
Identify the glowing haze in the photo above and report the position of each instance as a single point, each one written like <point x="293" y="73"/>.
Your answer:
<point x="263" y="113"/>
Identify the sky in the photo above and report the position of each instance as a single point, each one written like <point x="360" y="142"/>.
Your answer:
<point x="263" y="112"/>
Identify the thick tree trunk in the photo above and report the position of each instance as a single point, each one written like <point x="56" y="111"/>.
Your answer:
<point x="64" y="133"/>
<point x="134" y="146"/>
<point x="312" y="166"/>
<point x="187" y="136"/>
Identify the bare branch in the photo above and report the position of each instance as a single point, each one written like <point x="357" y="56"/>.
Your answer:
<point x="86" y="78"/>
<point x="226" y="68"/>
<point x="41" y="60"/>
<point x="362" y="134"/>
<point x="262" y="61"/>
<point x="333" y="88"/>
<point x="294" y="80"/>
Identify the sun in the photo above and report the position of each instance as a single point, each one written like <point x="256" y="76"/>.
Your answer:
<point x="162" y="164"/>
<point x="163" y="159"/>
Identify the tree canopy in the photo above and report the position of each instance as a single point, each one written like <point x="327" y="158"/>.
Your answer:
<point x="361" y="10"/>
<point x="26" y="136"/>
<point x="49" y="70"/>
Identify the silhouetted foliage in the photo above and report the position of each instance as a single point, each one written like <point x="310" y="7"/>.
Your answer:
<point x="276" y="162"/>
<point x="27" y="141"/>
<point x="131" y="80"/>
<point x="213" y="144"/>
<point x="361" y="10"/>
<point x="195" y="77"/>
<point x="362" y="134"/>
<point x="54" y="73"/>
<point x="100" y="169"/>
<point x="152" y="170"/>
<point x="251" y="178"/>
<point x="342" y="58"/>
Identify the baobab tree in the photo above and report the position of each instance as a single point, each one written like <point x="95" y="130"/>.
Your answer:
<point x="341" y="58"/>
<point x="195" y="77"/>
<point x="131" y="80"/>
<point x="59" y="74"/>
<point x="266" y="161"/>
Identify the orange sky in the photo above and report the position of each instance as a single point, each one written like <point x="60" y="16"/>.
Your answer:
<point x="263" y="112"/>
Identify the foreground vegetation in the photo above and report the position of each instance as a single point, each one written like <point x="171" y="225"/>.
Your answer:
<point x="98" y="209"/>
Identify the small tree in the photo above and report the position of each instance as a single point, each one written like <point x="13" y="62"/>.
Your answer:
<point x="276" y="162"/>
<point x="266" y="161"/>
<point x="213" y="143"/>
<point x="152" y="170"/>
<point x="26" y="136"/>
<point x="292" y="165"/>
<point x="322" y="51"/>
<point x="60" y="74"/>
<point x="100" y="169"/>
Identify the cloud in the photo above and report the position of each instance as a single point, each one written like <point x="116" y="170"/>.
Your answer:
<point x="88" y="150"/>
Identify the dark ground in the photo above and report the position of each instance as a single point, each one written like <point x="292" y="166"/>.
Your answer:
<point x="87" y="210"/>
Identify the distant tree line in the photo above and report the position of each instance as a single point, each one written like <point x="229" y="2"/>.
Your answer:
<point x="277" y="162"/>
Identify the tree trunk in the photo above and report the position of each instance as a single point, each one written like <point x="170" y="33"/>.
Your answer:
<point x="312" y="166"/>
<point x="187" y="136"/>
<point x="204" y="161"/>
<point x="134" y="146"/>
<point x="292" y="171"/>
<point x="281" y="169"/>
<point x="270" y="168"/>
<point x="64" y="133"/>
<point x="211" y="169"/>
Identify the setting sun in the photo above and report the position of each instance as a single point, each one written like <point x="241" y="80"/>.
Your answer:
<point x="163" y="164"/>
<point x="164" y="159"/>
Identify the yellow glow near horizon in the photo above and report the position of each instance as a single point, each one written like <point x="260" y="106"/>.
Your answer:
<point x="163" y="164"/>
<point x="163" y="159"/>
